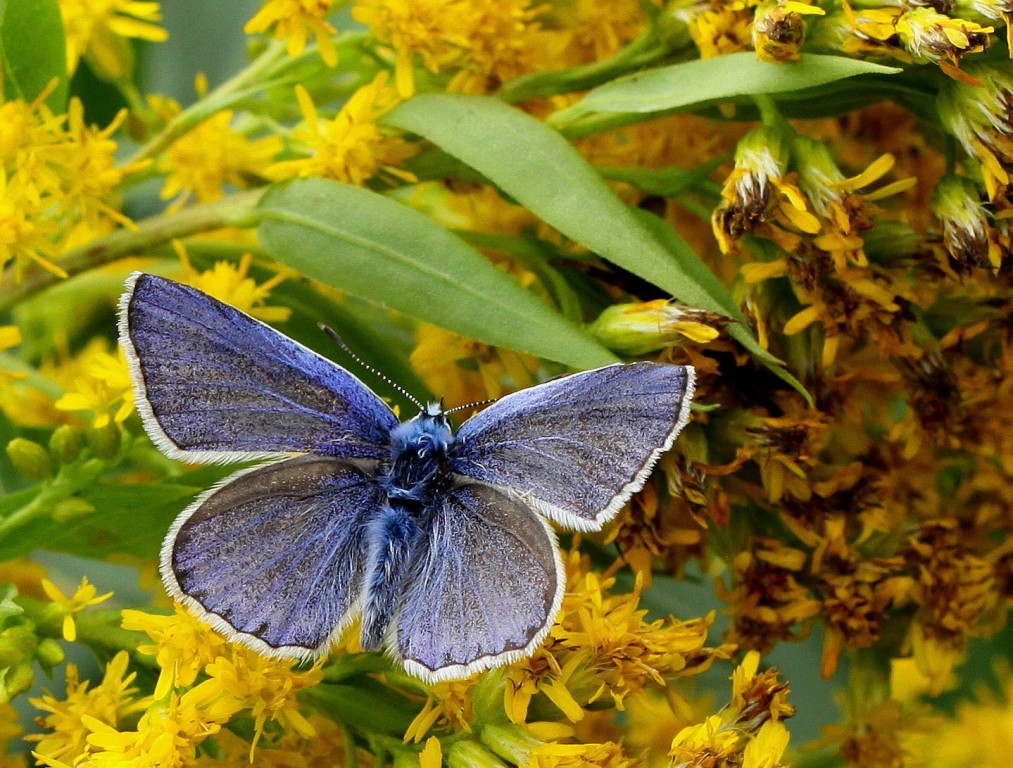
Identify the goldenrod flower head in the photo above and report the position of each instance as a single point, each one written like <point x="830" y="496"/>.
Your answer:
<point x="244" y="680"/>
<point x="779" y="29"/>
<point x="593" y="30"/>
<point x="930" y="36"/>
<point x="968" y="236"/>
<point x="351" y="147"/>
<point x="104" y="388"/>
<point x="448" y="704"/>
<point x="293" y="21"/>
<point x="201" y="163"/>
<point x="109" y="702"/>
<point x="434" y="31"/>
<point x="757" y="193"/>
<point x="27" y="232"/>
<point x="980" y="118"/>
<point x="721" y="28"/>
<point x="231" y="283"/>
<point x="606" y="755"/>
<point x="86" y="164"/>
<point x="637" y="329"/>
<point x="182" y="646"/>
<point x="93" y="28"/>
<point x="85" y="595"/>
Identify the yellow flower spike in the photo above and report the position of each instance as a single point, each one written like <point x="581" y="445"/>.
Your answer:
<point x="84" y="596"/>
<point x="293" y="22"/>
<point x="104" y="387"/>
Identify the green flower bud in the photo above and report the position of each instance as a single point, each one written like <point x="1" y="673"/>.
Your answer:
<point x="49" y="653"/>
<point x="509" y="741"/>
<point x="30" y="459"/>
<point x="471" y="754"/>
<point x="17" y="643"/>
<point x="104" y="441"/>
<point x="637" y="329"/>
<point x="70" y="509"/>
<point x="65" y="444"/>
<point x="16" y="680"/>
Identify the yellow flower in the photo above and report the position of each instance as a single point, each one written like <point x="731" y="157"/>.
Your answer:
<point x="212" y="155"/>
<point x="109" y="702"/>
<point x="92" y="29"/>
<point x="231" y="284"/>
<point x="293" y="21"/>
<point x="757" y="196"/>
<point x="969" y="238"/>
<point x="244" y="680"/>
<point x="766" y="748"/>
<point x="726" y="28"/>
<point x="182" y="646"/>
<point x="86" y="163"/>
<point x="27" y="232"/>
<point x="351" y="147"/>
<point x="779" y="29"/>
<point x="104" y="387"/>
<point x="447" y="702"/>
<point x="84" y="596"/>
<point x="433" y="30"/>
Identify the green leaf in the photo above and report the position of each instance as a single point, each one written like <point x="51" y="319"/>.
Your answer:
<point x="375" y="248"/>
<point x="706" y="81"/>
<point x="32" y="51"/>
<point x="541" y="170"/>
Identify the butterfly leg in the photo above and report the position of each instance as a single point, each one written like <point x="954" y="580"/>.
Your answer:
<point x="390" y="540"/>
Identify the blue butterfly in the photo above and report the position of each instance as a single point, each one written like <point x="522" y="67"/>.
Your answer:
<point x="439" y="541"/>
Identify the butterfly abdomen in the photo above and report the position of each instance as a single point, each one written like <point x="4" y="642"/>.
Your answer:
<point x="390" y="539"/>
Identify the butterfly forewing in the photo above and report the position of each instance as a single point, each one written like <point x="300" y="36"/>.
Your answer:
<point x="274" y="557"/>
<point x="214" y="384"/>
<point x="579" y="446"/>
<point x="486" y="584"/>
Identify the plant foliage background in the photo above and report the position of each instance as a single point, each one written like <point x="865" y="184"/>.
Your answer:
<point x="809" y="202"/>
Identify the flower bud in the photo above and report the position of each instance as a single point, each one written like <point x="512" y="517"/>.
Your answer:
<point x="30" y="459"/>
<point x="65" y="444"/>
<point x="71" y="508"/>
<point x="471" y="754"/>
<point x="104" y="441"/>
<point x="637" y="329"/>
<point x="49" y="653"/>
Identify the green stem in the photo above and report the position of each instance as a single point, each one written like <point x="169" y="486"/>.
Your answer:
<point x="237" y="86"/>
<point x="237" y="210"/>
<point x="641" y="52"/>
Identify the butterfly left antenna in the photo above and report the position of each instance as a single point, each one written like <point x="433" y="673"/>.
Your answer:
<point x="341" y="343"/>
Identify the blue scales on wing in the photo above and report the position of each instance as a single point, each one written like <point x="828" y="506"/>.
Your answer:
<point x="214" y="384"/>
<point x="485" y="583"/>
<point x="275" y="554"/>
<point x="577" y="447"/>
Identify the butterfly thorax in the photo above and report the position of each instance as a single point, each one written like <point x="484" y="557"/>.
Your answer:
<point x="417" y="456"/>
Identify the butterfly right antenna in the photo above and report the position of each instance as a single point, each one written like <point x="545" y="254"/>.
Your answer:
<point x="341" y="343"/>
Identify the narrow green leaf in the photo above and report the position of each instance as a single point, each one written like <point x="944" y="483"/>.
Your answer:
<point x="377" y="249"/>
<point x="705" y="81"/>
<point x="542" y="171"/>
<point x="32" y="51"/>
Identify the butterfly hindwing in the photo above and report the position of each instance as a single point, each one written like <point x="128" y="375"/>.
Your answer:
<point x="485" y="585"/>
<point x="577" y="447"/>
<point x="215" y="385"/>
<point x="273" y="557"/>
